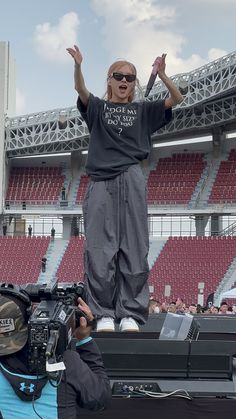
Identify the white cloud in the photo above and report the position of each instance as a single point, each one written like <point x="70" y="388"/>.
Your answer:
<point x="133" y="11"/>
<point x="136" y="31"/>
<point x="215" y="53"/>
<point x="20" y="102"/>
<point x="139" y="30"/>
<point x="51" y="41"/>
<point x="223" y="3"/>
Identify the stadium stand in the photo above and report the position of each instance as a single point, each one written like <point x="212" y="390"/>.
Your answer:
<point x="82" y="189"/>
<point x="186" y="261"/>
<point x="191" y="207"/>
<point x="174" y="179"/>
<point x="71" y="268"/>
<point x="224" y="187"/>
<point x="33" y="184"/>
<point x="180" y="174"/>
<point x="20" y="260"/>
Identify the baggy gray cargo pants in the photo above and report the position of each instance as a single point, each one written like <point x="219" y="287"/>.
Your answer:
<point x="116" y="247"/>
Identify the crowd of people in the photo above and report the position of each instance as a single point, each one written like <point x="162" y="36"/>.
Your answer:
<point x="180" y="307"/>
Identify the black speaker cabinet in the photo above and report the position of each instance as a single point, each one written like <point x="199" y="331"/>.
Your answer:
<point x="145" y="358"/>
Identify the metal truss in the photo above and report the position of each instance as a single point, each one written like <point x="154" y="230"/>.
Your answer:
<point x="48" y="132"/>
<point x="210" y="101"/>
<point x="209" y="81"/>
<point x="200" y="120"/>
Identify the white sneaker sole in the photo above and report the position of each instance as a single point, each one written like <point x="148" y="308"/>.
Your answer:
<point x="129" y="330"/>
<point x="105" y="330"/>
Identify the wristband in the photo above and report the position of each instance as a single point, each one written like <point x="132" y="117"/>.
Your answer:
<point x="83" y="341"/>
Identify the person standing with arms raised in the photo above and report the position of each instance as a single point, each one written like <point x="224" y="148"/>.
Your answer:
<point x="115" y="207"/>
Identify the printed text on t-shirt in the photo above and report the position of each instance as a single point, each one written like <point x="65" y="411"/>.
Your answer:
<point x="119" y="116"/>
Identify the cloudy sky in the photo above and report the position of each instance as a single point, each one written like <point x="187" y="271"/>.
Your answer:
<point x="191" y="32"/>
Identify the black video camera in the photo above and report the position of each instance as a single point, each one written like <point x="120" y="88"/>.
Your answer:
<point x="53" y="317"/>
<point x="52" y="323"/>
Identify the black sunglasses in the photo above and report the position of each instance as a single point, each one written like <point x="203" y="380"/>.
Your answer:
<point x="128" y="77"/>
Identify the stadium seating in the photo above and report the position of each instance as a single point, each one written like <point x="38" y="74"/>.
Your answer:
<point x="186" y="261"/>
<point x="20" y="260"/>
<point x="175" y="178"/>
<point x="224" y="187"/>
<point x="183" y="262"/>
<point x="35" y="184"/>
<point x="82" y="189"/>
<point x="71" y="268"/>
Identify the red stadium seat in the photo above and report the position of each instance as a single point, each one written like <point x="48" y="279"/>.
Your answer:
<point x="184" y="262"/>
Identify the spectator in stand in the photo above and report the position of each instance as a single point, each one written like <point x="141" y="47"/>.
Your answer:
<point x="44" y="263"/>
<point x="214" y="310"/>
<point x="76" y="231"/>
<point x="199" y="309"/>
<point x="53" y="231"/>
<point x="181" y="309"/>
<point x="164" y="307"/>
<point x="224" y="308"/>
<point x="180" y="306"/>
<point x="205" y="310"/>
<point x="63" y="193"/>
<point x="153" y="307"/>
<point x="172" y="307"/>
<point x="30" y="230"/>
<point x="192" y="309"/>
<point x="4" y="229"/>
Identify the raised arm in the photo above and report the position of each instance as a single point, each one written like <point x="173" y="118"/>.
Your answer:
<point x="78" y="76"/>
<point x="175" y="95"/>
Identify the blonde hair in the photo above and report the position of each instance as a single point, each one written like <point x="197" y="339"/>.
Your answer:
<point x="116" y="66"/>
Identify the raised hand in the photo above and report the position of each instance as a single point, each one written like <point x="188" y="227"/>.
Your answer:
<point x="76" y="54"/>
<point x="162" y="65"/>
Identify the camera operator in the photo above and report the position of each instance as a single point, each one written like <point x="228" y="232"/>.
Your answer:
<point x="82" y="384"/>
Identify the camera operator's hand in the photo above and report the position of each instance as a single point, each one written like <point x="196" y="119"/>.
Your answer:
<point x="84" y="330"/>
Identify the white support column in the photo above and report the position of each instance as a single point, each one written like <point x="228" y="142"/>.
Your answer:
<point x="7" y="107"/>
<point x="66" y="228"/>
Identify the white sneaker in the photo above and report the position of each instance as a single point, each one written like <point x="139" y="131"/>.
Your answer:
<point x="105" y="324"/>
<point x="128" y="324"/>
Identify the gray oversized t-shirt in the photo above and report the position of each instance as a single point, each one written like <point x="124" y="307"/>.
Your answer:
<point x="120" y="133"/>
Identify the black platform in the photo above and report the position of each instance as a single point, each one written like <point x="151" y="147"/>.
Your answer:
<point x="202" y="368"/>
<point x="205" y="369"/>
<point x="165" y="409"/>
<point x="212" y="327"/>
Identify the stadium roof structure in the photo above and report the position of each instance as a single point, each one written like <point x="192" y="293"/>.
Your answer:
<point x="209" y="105"/>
